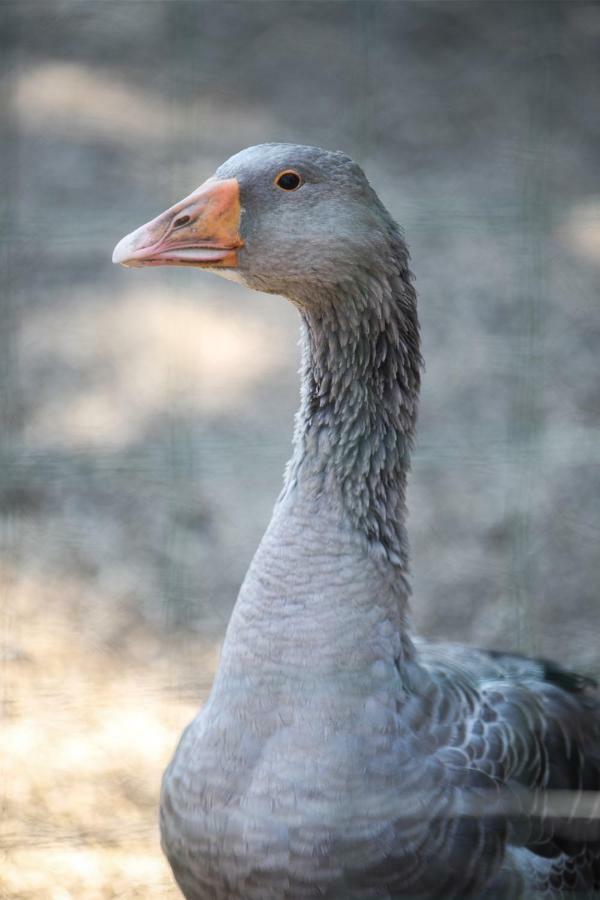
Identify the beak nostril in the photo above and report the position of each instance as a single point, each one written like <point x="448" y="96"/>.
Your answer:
<point x="182" y="220"/>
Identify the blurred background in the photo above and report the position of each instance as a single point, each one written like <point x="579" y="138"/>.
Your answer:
<point x="145" y="416"/>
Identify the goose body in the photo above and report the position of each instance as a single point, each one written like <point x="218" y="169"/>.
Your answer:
<point x="338" y="756"/>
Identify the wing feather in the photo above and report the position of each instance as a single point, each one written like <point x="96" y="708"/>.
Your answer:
<point x="532" y="729"/>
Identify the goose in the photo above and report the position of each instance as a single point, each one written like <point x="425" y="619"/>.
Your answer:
<point x="339" y="756"/>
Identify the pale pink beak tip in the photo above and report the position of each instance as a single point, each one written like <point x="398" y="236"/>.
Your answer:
<point x="124" y="251"/>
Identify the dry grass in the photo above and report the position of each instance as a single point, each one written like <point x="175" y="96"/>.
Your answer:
<point x="90" y="716"/>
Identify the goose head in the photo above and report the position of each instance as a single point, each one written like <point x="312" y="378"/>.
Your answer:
<point x="281" y="218"/>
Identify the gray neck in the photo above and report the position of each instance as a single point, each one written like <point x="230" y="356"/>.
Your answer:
<point x="360" y="384"/>
<point x="329" y="577"/>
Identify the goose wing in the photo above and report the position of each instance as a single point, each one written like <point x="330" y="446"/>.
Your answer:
<point x="531" y="729"/>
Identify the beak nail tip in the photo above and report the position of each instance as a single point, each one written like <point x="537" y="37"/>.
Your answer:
<point x="119" y="256"/>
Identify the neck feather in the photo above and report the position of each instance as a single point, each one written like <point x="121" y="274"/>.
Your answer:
<point x="360" y="383"/>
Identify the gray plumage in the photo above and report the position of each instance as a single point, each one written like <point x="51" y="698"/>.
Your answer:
<point x="338" y="756"/>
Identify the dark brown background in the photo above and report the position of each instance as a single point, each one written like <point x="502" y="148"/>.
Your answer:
<point x="146" y="416"/>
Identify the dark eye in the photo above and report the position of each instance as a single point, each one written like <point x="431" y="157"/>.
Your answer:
<point x="288" y="181"/>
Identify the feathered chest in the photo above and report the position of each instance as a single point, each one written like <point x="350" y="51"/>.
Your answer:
<point x="317" y="792"/>
<point x="263" y="795"/>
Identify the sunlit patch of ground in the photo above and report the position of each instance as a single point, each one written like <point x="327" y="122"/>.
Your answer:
<point x="83" y="101"/>
<point x="89" y="721"/>
<point x="54" y="94"/>
<point x="132" y="355"/>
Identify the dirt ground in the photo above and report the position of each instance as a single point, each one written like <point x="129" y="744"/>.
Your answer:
<point x="89" y="720"/>
<point x="145" y="416"/>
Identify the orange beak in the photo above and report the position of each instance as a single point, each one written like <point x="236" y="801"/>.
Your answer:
<point x="201" y="230"/>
